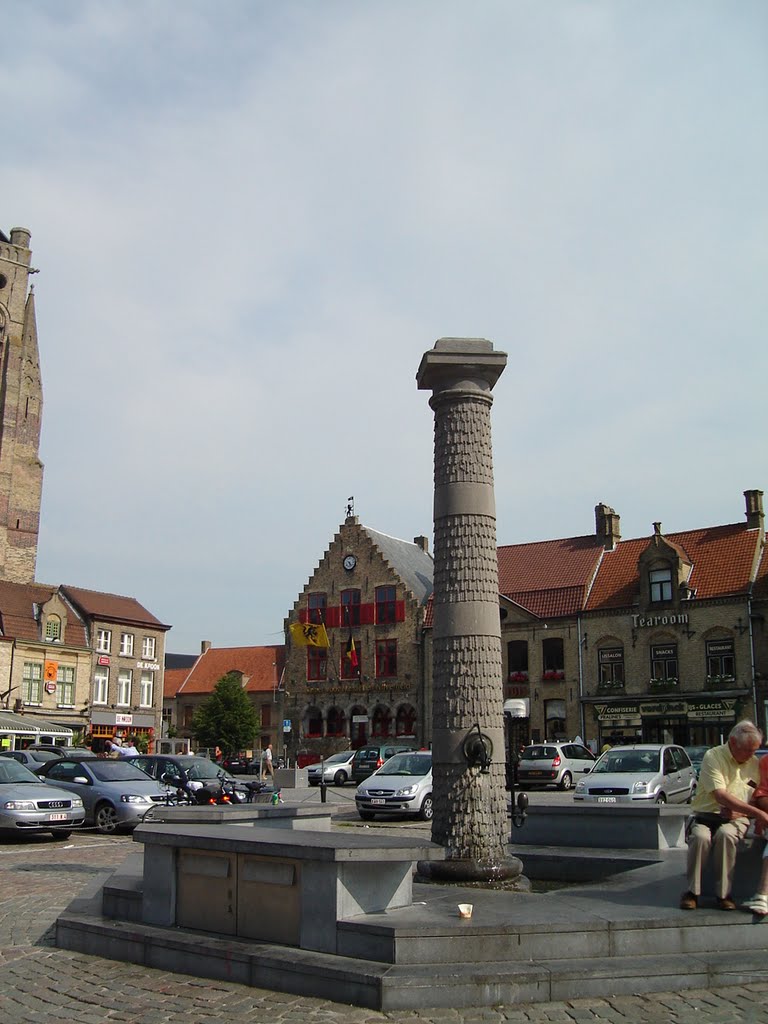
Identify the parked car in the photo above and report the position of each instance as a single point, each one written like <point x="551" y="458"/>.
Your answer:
<point x="553" y="764"/>
<point x="115" y="794"/>
<point x="642" y="773"/>
<point x="61" y="751"/>
<point x="237" y="764"/>
<point x="185" y="766"/>
<point x="31" y="759"/>
<point x="336" y="769"/>
<point x="403" y="785"/>
<point x="696" y="754"/>
<point x="28" y="805"/>
<point x="370" y="758"/>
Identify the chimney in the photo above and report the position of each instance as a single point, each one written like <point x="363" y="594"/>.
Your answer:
<point x="607" y="526"/>
<point x="754" y="513"/>
<point x="422" y="542"/>
<point x="205" y="645"/>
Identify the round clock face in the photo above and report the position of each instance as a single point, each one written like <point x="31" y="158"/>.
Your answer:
<point x="349" y="562"/>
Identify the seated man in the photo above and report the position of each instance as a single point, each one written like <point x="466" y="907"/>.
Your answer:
<point x="759" y="902"/>
<point x="722" y="811"/>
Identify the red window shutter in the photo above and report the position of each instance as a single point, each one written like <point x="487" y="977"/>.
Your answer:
<point x="333" y="615"/>
<point x="399" y="611"/>
<point x="367" y="614"/>
<point x="303" y="615"/>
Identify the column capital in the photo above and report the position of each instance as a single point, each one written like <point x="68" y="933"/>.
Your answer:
<point x="460" y="364"/>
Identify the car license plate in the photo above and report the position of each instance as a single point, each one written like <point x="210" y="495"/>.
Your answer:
<point x="606" y="799"/>
<point x="57" y="817"/>
<point x="378" y="800"/>
<point x="535" y="771"/>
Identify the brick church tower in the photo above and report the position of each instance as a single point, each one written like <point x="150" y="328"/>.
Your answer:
<point x="21" y="408"/>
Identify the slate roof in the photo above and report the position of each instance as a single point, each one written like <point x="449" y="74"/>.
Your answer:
<point x="722" y="558"/>
<point x="112" y="607"/>
<point x="413" y="565"/>
<point x="17" y="613"/>
<point x="261" y="665"/>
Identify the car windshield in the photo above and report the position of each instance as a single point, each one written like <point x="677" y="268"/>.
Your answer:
<point x="407" y="764"/>
<point x="116" y="771"/>
<point x="634" y="761"/>
<point x="538" y="753"/>
<point x="199" y="768"/>
<point x="11" y="772"/>
<point x="42" y="755"/>
<point x="336" y="758"/>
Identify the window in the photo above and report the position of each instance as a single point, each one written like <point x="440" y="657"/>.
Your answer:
<point x="53" y="628"/>
<point x="317" y="664"/>
<point x="316" y="608"/>
<point x="104" y="640"/>
<point x="148" y="648"/>
<point x="385" y="604"/>
<point x="335" y="724"/>
<point x="187" y="714"/>
<point x="126" y="645"/>
<point x="661" y="584"/>
<point x="721" y="664"/>
<point x="32" y="682"/>
<point x="553" y="658"/>
<point x="664" y="663"/>
<point x="611" y="664"/>
<point x="554" y="714"/>
<point x="405" y="721"/>
<point x="381" y="723"/>
<point x="350" y="607"/>
<point x="65" y="685"/>
<point x="386" y="658"/>
<point x="314" y="720"/>
<point x="517" y="660"/>
<point x="124" y="686"/>
<point x="146" y="689"/>
<point x="266" y="717"/>
<point x="100" y="685"/>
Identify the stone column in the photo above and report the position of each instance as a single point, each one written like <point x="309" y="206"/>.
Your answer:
<point x="470" y="819"/>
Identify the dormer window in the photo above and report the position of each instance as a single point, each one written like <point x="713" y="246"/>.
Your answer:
<point x="53" y="628"/>
<point x="660" y="581"/>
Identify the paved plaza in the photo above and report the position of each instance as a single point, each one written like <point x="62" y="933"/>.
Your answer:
<point x="43" y="984"/>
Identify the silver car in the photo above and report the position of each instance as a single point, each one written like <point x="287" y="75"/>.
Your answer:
<point x="403" y="785"/>
<point x="28" y="805"/>
<point x="335" y="769"/>
<point x="643" y="773"/>
<point x="554" y="763"/>
<point x="115" y="794"/>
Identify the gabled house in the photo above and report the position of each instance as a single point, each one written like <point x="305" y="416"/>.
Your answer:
<point x="260" y="670"/>
<point x="369" y="593"/>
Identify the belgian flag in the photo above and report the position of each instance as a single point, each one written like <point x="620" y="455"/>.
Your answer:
<point x="351" y="653"/>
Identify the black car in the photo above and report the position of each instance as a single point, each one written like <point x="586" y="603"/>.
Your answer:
<point x="185" y="766"/>
<point x="238" y="764"/>
<point x="372" y="756"/>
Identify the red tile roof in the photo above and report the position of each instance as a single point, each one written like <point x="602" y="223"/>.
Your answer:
<point x="549" y="578"/>
<point x="722" y="558"/>
<point x="17" y="613"/>
<point x="112" y="607"/>
<point x="173" y="679"/>
<point x="760" y="589"/>
<point x="262" y="666"/>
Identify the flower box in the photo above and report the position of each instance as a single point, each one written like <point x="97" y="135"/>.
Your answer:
<point x="518" y="677"/>
<point x="553" y="674"/>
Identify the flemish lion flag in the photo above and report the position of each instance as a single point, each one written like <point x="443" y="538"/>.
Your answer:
<point x="351" y="652"/>
<point x="309" y="634"/>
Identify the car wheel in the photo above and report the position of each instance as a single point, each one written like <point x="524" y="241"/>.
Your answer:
<point x="661" y="799"/>
<point x="340" y="777"/>
<point x="105" y="819"/>
<point x="566" y="782"/>
<point x="366" y="815"/>
<point x="60" y="836"/>
<point x="427" y="809"/>
<point x="312" y="783"/>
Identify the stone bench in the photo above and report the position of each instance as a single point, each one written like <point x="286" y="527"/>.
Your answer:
<point x="271" y="884"/>
<point x="618" y="827"/>
<point x="262" y="812"/>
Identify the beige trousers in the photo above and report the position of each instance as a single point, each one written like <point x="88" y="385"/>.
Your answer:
<point x="722" y="848"/>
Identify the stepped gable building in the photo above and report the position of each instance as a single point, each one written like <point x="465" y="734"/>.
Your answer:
<point x="370" y="591"/>
<point x="671" y="634"/>
<point x="21" y="407"/>
<point x="260" y="670"/>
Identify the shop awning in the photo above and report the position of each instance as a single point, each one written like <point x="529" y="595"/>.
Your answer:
<point x="27" y="725"/>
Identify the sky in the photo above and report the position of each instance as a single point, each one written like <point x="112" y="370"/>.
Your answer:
<point x="252" y="218"/>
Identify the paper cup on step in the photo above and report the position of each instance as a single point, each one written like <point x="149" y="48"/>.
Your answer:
<point x="465" y="910"/>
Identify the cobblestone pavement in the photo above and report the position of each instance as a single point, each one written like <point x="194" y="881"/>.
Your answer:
<point x="44" y="985"/>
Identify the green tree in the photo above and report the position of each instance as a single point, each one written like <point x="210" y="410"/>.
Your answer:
<point x="227" y="718"/>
